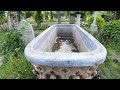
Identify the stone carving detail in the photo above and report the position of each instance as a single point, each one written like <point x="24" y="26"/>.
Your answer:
<point x="45" y="72"/>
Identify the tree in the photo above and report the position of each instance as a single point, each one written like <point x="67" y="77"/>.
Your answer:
<point x="21" y="14"/>
<point x="39" y="18"/>
<point x="28" y="14"/>
<point x="68" y="13"/>
<point x="51" y="15"/>
<point x="117" y="14"/>
<point x="2" y="17"/>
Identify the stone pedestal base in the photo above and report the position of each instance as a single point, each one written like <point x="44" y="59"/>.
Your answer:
<point x="45" y="72"/>
<point x="93" y="28"/>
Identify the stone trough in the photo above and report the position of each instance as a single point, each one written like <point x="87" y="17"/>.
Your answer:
<point x="65" y="65"/>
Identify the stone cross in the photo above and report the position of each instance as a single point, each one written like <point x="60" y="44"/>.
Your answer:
<point x="93" y="27"/>
<point x="94" y="20"/>
<point x="78" y="19"/>
<point x="46" y="15"/>
<point x="72" y="19"/>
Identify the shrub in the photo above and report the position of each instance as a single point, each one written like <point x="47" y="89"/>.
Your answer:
<point x="16" y="68"/>
<point x="99" y="21"/>
<point x="11" y="42"/>
<point x="53" y="20"/>
<point x="44" y="26"/>
<point x="111" y="32"/>
<point x="110" y="35"/>
<point x="39" y="17"/>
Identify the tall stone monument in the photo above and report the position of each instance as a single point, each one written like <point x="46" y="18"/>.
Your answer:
<point x="78" y="19"/>
<point x="93" y="27"/>
<point x="72" y="19"/>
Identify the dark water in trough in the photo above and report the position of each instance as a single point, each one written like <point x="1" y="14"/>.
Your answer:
<point x="64" y="44"/>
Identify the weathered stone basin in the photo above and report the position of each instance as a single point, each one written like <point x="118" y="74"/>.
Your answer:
<point x="65" y="65"/>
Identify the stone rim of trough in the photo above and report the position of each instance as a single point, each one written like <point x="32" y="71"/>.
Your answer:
<point x="63" y="59"/>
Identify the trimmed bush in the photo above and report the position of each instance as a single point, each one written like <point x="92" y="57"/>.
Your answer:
<point x="99" y="21"/>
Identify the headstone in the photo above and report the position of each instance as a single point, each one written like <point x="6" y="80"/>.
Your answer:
<point x="12" y="21"/>
<point x="17" y="18"/>
<point x="59" y="17"/>
<point x="9" y="22"/>
<point x="72" y="19"/>
<point x="26" y="30"/>
<point x="93" y="27"/>
<point x="78" y="19"/>
<point x="46" y="16"/>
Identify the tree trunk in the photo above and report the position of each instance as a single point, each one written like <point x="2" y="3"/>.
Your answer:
<point x="117" y="15"/>
<point x="19" y="15"/>
<point x="51" y="15"/>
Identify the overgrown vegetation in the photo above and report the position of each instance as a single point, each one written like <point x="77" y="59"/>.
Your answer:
<point x="110" y="35"/>
<point x="110" y="69"/>
<point x="99" y="21"/>
<point x="16" y="68"/>
<point x="39" y="18"/>
<point x="11" y="42"/>
<point x="15" y="65"/>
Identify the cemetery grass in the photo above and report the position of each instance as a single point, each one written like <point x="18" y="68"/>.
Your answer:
<point x="110" y="69"/>
<point x="16" y="68"/>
